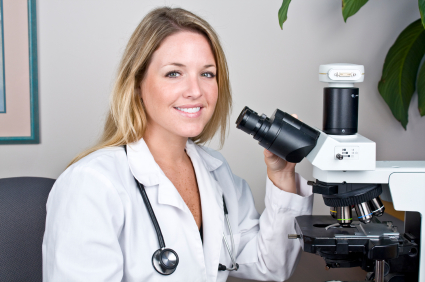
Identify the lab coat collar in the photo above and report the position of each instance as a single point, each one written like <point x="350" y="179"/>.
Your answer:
<point x="147" y="172"/>
<point x="210" y="162"/>
<point x="144" y="168"/>
<point x="142" y="164"/>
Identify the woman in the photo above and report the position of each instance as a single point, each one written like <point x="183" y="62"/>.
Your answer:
<point x="172" y="94"/>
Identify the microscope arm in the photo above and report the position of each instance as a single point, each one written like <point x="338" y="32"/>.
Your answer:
<point x="408" y="194"/>
<point x="380" y="175"/>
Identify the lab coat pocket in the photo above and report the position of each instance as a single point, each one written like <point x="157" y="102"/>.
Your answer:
<point x="225" y="256"/>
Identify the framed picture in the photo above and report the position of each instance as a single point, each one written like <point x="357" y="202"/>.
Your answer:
<point x="19" y="121"/>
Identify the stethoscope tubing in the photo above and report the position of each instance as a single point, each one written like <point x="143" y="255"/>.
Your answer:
<point x="151" y="214"/>
<point x="161" y="241"/>
<point x="150" y="210"/>
<point x="235" y="266"/>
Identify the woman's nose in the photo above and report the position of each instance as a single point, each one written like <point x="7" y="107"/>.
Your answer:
<point x="193" y="89"/>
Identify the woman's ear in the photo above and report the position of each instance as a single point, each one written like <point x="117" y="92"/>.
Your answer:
<point x="138" y="91"/>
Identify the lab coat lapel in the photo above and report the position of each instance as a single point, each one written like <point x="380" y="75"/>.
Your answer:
<point x="212" y="221"/>
<point x="147" y="171"/>
<point x="212" y="208"/>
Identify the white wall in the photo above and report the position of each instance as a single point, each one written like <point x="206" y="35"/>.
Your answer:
<point x="80" y="43"/>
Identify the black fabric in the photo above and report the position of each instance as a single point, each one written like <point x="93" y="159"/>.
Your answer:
<point x="201" y="232"/>
<point x="22" y="223"/>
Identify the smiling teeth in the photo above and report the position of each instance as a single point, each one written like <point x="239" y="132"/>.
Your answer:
<point x="189" y="110"/>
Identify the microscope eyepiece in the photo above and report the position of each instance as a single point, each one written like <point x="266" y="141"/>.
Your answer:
<point x="281" y="134"/>
<point x="253" y="124"/>
<point x="247" y="121"/>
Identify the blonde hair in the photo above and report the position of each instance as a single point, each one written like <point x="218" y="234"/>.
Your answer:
<point x="126" y="121"/>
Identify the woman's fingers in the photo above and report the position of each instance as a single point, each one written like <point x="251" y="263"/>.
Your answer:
<point x="295" y="116"/>
<point x="268" y="154"/>
<point x="280" y="172"/>
<point x="273" y="162"/>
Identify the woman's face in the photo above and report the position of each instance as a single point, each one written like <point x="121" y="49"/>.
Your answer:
<point x="180" y="89"/>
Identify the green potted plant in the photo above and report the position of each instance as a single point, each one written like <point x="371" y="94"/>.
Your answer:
<point x="402" y="72"/>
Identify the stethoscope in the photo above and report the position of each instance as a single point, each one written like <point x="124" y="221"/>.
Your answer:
<point x="165" y="260"/>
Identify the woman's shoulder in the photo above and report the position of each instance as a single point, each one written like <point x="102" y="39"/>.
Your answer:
<point x="96" y="178"/>
<point x="108" y="154"/>
<point x="104" y="162"/>
<point x="89" y="188"/>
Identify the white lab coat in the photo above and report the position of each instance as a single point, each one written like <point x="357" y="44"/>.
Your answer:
<point x="98" y="228"/>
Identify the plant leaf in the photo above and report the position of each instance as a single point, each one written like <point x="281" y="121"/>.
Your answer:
<point x="283" y="11"/>
<point x="350" y="7"/>
<point x="421" y="90"/>
<point x="421" y="4"/>
<point x="398" y="80"/>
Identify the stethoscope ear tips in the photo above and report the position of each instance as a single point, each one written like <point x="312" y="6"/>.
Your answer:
<point x="165" y="261"/>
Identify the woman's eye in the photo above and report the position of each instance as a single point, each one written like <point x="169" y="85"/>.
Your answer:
<point x="208" y="74"/>
<point x="173" y="74"/>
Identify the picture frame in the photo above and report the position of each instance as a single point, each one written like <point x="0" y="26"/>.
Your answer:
<point x="19" y="116"/>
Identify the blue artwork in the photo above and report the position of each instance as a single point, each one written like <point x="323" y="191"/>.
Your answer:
<point x="2" y="86"/>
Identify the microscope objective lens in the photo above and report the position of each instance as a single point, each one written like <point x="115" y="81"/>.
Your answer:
<point x="364" y="212"/>
<point x="333" y="212"/>
<point x="377" y="207"/>
<point x="344" y="216"/>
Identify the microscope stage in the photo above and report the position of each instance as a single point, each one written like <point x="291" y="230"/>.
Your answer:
<point x="374" y="241"/>
<point x="315" y="227"/>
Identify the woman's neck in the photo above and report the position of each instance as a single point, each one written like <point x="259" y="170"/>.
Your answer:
<point x="165" y="148"/>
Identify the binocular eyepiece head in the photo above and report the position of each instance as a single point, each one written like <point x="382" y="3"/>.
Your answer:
<point x="281" y="134"/>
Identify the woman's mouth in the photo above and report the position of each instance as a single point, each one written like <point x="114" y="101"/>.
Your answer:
<point x="189" y="110"/>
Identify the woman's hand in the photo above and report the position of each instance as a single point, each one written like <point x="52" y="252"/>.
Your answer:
<point x="280" y="172"/>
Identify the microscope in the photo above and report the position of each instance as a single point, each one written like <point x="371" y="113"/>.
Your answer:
<point x="351" y="182"/>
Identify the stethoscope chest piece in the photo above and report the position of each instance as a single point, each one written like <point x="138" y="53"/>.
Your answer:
<point x="165" y="261"/>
